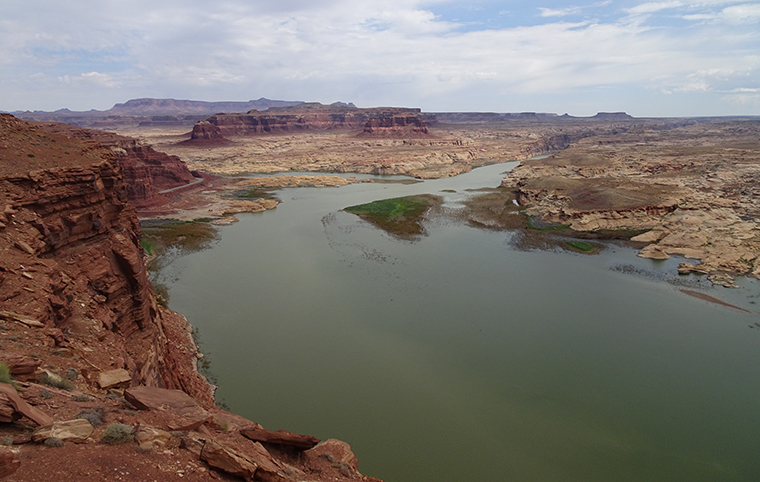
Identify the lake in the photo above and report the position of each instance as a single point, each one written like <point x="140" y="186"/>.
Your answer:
<point x="459" y="356"/>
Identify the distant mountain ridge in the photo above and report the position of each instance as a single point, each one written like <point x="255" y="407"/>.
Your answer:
<point x="149" y="111"/>
<point x="148" y="106"/>
<point x="151" y="106"/>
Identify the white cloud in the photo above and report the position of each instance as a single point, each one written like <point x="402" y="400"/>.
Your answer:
<point x="736" y="14"/>
<point x="91" y="78"/>
<point x="748" y="13"/>
<point x="572" y="10"/>
<point x="652" y="7"/>
<point x="561" y="12"/>
<point x="395" y="52"/>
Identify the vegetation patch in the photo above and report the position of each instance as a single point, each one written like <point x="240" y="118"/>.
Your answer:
<point x="55" y="381"/>
<point x="257" y="193"/>
<point x="581" y="246"/>
<point x="401" y="217"/>
<point x="535" y="223"/>
<point x="96" y="416"/>
<point x="53" y="442"/>
<point x="492" y="208"/>
<point x="619" y="233"/>
<point x="148" y="246"/>
<point x="185" y="236"/>
<point x="5" y="373"/>
<point x="162" y="294"/>
<point x="117" y="433"/>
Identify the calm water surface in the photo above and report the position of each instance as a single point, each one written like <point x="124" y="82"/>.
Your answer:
<point x="459" y="357"/>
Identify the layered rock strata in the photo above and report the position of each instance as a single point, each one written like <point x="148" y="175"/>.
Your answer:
<point x="314" y="116"/>
<point x="206" y="133"/>
<point x="393" y="124"/>
<point x="70" y="257"/>
<point x="693" y="185"/>
<point x="75" y="299"/>
<point x="148" y="172"/>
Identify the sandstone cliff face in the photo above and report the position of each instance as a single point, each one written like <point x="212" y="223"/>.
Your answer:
<point x="75" y="302"/>
<point x="147" y="171"/>
<point x="205" y="130"/>
<point x="394" y="124"/>
<point x="71" y="260"/>
<point x="313" y="116"/>
<point x="206" y="134"/>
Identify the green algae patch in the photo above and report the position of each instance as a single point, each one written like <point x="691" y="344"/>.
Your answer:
<point x="401" y="216"/>
<point x="537" y="224"/>
<point x="581" y="246"/>
<point x="186" y="235"/>
<point x="258" y="193"/>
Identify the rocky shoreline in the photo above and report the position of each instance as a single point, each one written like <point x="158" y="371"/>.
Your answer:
<point x="691" y="183"/>
<point x="82" y="333"/>
<point x="104" y="380"/>
<point x="694" y="188"/>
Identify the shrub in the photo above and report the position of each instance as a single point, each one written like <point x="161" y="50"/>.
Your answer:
<point x="222" y="424"/>
<point x="53" y="442"/>
<point x="94" y="416"/>
<point x="55" y="381"/>
<point x="148" y="246"/>
<point x="45" y="394"/>
<point x="117" y="433"/>
<point x="72" y="374"/>
<point x="80" y="398"/>
<point x="344" y="469"/>
<point x="5" y="373"/>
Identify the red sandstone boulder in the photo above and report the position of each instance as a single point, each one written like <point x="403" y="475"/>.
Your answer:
<point x="280" y="437"/>
<point x="227" y="459"/>
<point x="8" y="463"/>
<point x="9" y="398"/>
<point x="188" y="414"/>
<point x="20" y="364"/>
<point x="77" y="430"/>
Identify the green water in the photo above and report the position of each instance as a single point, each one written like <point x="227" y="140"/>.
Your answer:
<point x="459" y="357"/>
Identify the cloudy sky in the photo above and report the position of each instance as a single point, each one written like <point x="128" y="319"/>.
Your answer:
<point x="660" y="58"/>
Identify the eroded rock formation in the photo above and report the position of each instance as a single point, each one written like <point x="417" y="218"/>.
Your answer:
<point x="70" y="257"/>
<point x="148" y="172"/>
<point x="395" y="124"/>
<point x="206" y="133"/>
<point x="315" y="116"/>
<point x="693" y="184"/>
<point x="75" y="298"/>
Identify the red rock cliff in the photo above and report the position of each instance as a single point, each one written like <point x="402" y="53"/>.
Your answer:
<point x="71" y="260"/>
<point x="313" y="116"/>
<point x="395" y="124"/>
<point x="147" y="172"/>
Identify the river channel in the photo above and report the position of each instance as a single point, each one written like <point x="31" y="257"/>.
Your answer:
<point x="461" y="357"/>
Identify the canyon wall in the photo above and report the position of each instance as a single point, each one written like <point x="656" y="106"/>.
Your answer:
<point x="146" y="171"/>
<point x="71" y="261"/>
<point x="316" y="116"/>
<point x="395" y="124"/>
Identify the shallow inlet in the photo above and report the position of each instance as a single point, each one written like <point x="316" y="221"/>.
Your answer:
<point x="459" y="357"/>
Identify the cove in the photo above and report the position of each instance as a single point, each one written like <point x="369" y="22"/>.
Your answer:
<point x="460" y="357"/>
